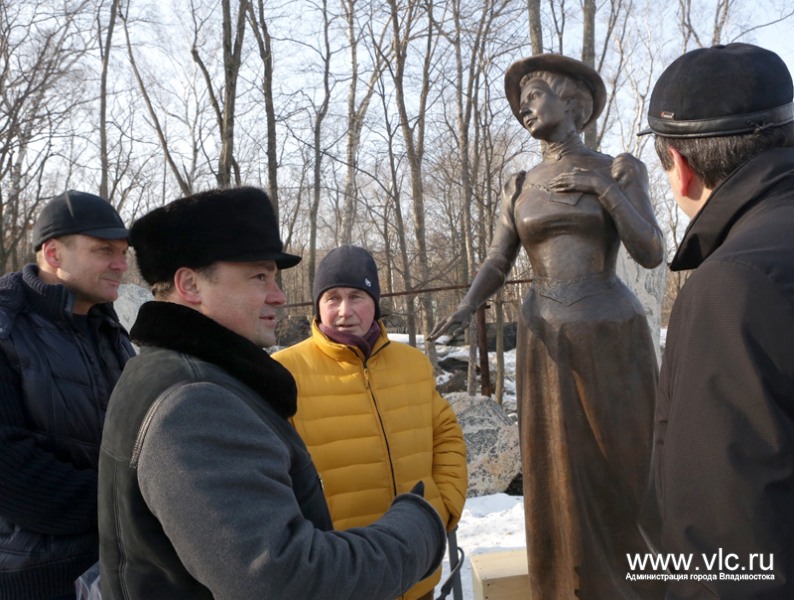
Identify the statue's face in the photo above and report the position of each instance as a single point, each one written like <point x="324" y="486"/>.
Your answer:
<point x="542" y="111"/>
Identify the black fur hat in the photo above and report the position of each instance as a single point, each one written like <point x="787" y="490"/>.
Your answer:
<point x="235" y="225"/>
<point x="351" y="267"/>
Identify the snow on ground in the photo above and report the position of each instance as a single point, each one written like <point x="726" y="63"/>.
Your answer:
<point x="462" y="353"/>
<point x="488" y="524"/>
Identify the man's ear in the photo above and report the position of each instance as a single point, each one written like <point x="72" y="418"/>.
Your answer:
<point x="682" y="175"/>
<point x="187" y="285"/>
<point x="689" y="184"/>
<point x="51" y="253"/>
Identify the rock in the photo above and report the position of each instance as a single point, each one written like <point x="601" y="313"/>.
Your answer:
<point x="493" y="452"/>
<point x="453" y="364"/>
<point x="516" y="487"/>
<point x="456" y="382"/>
<point x="509" y="333"/>
<point x="130" y="298"/>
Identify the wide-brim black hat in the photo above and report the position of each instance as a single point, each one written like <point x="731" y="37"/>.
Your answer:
<point x="554" y="63"/>
<point x="231" y="225"/>
<point x="723" y="90"/>
<point x="78" y="212"/>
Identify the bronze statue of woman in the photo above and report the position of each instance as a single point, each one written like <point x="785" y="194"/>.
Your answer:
<point x="586" y="366"/>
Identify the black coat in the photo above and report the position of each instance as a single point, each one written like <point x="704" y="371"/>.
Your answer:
<point x="206" y="490"/>
<point x="724" y="455"/>
<point x="54" y="387"/>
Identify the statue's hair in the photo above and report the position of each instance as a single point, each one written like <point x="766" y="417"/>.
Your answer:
<point x="567" y="88"/>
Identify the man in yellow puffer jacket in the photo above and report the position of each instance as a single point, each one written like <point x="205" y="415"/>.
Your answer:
<point x="368" y="408"/>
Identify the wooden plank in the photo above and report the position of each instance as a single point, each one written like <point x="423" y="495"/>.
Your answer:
<point x="500" y="575"/>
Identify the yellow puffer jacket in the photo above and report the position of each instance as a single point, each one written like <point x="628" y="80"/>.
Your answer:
<point x="374" y="428"/>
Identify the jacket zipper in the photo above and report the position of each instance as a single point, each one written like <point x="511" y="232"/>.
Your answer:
<point x="380" y="418"/>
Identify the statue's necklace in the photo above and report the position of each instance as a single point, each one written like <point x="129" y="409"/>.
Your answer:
<point x="558" y="150"/>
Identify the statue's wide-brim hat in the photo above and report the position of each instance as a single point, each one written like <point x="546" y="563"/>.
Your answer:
<point x="554" y="63"/>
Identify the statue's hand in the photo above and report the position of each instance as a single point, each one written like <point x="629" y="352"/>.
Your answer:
<point x="454" y="323"/>
<point x="580" y="180"/>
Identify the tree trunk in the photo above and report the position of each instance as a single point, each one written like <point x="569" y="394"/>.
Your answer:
<point x="105" y="48"/>
<point x="232" y="52"/>
<point x="535" y="27"/>
<point x="414" y="143"/>
<point x="319" y="118"/>
<point x="588" y="58"/>
<point x="499" y="393"/>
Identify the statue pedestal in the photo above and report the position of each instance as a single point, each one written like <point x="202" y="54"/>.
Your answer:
<point x="500" y="575"/>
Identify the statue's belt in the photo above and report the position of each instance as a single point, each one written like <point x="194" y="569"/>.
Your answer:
<point x="571" y="291"/>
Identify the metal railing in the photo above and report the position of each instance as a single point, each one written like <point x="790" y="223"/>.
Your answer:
<point x="456" y="558"/>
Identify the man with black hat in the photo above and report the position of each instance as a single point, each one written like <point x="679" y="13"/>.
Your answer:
<point x="723" y="120"/>
<point x="368" y="409"/>
<point x="61" y="351"/>
<point x="206" y="490"/>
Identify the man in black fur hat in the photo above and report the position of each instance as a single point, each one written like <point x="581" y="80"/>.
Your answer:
<point x="723" y="120"/>
<point x="206" y="490"/>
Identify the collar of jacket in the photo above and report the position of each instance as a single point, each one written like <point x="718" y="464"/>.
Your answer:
<point x="24" y="291"/>
<point x="342" y="352"/>
<point x="182" y="329"/>
<point x="731" y="199"/>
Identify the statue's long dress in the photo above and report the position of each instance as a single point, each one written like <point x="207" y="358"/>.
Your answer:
<point x="586" y="376"/>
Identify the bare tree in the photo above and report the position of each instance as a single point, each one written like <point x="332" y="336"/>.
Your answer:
<point x="588" y="57"/>
<point x="105" y="47"/>
<point x="184" y="185"/>
<point x="40" y="86"/>
<point x="468" y="32"/>
<point x="233" y="32"/>
<point x="711" y="22"/>
<point x="535" y="27"/>
<point x="264" y="41"/>
<point x="320" y="110"/>
<point x="356" y="112"/>
<point x="405" y="20"/>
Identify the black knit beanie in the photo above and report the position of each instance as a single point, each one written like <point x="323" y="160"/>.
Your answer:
<point x="351" y="267"/>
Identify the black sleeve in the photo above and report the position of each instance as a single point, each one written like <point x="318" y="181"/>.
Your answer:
<point x="39" y="492"/>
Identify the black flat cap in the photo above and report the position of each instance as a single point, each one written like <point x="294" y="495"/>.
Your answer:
<point x="723" y="90"/>
<point x="232" y="225"/>
<point x="554" y="63"/>
<point x="78" y="212"/>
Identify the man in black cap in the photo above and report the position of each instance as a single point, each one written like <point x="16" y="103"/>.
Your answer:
<point x="723" y="120"/>
<point x="206" y="490"/>
<point x="61" y="351"/>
